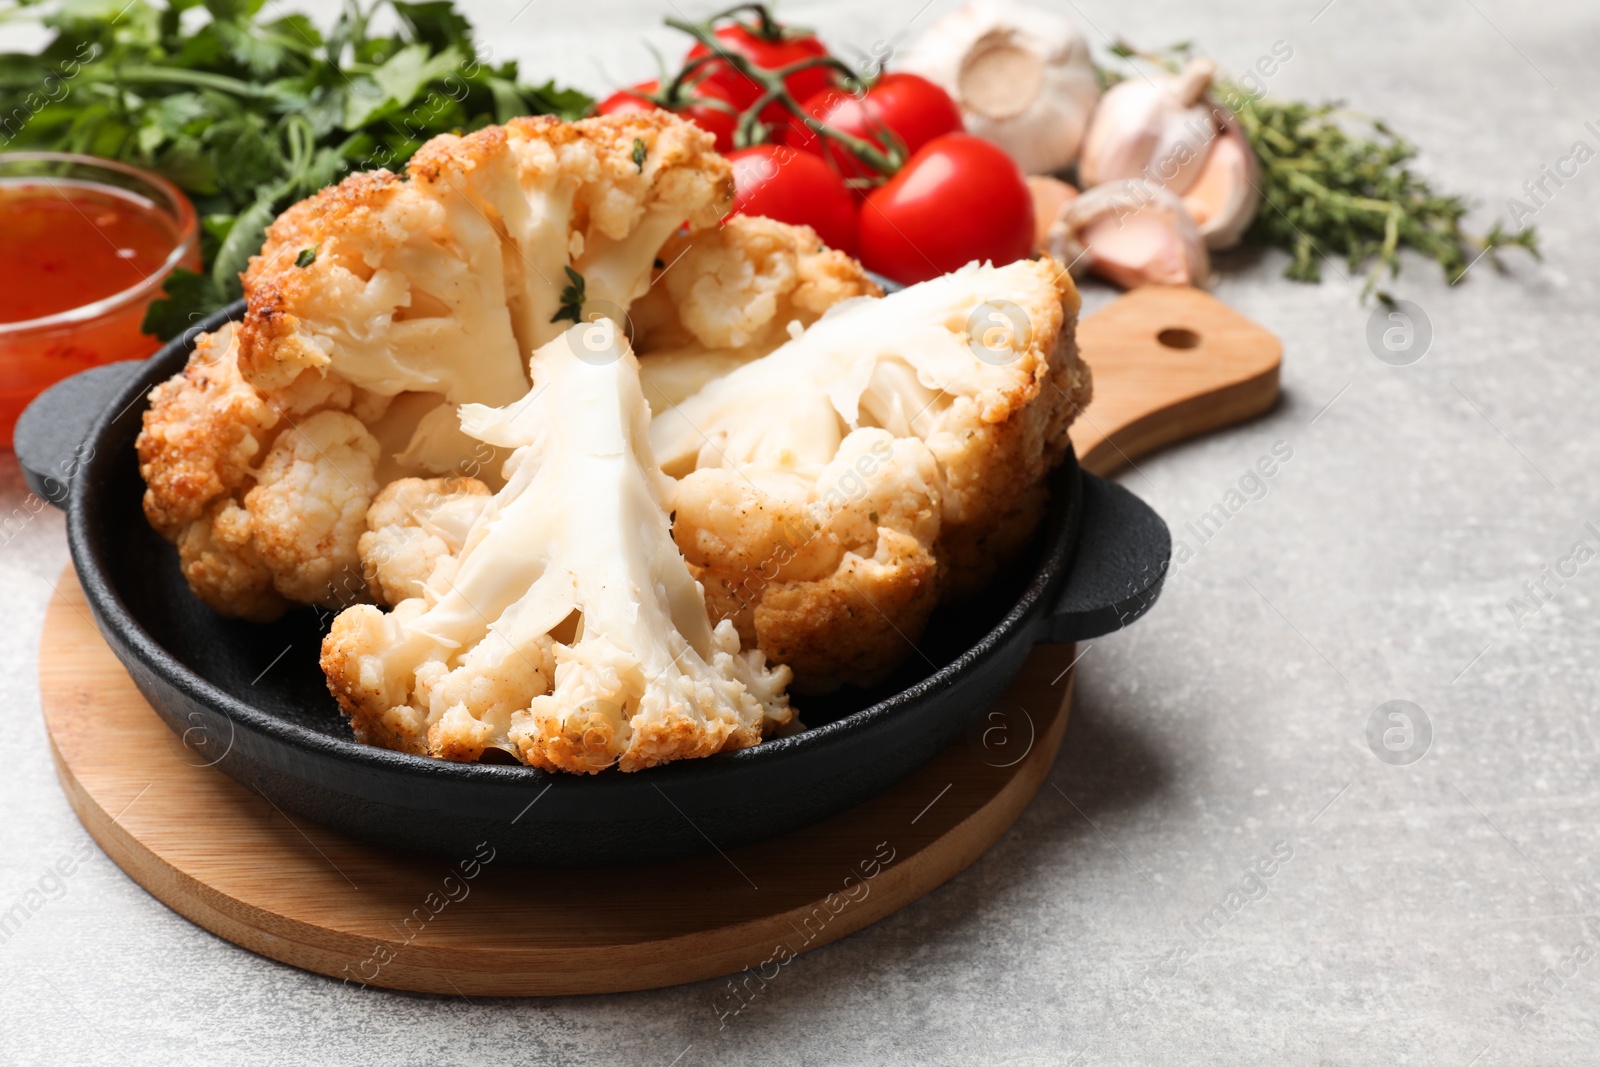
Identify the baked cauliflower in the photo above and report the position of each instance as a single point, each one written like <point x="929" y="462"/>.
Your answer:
<point x="892" y="453"/>
<point x="732" y="294"/>
<point x="382" y="304"/>
<point x="562" y="625"/>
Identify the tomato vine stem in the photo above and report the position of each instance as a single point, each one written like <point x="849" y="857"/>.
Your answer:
<point x="751" y="130"/>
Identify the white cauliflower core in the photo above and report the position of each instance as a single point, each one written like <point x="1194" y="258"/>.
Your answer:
<point x="894" y="450"/>
<point x="566" y="629"/>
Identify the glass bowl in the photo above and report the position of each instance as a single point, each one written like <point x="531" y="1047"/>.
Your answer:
<point x="102" y="327"/>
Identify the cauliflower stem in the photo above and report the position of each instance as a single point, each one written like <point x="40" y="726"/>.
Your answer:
<point x="567" y="629"/>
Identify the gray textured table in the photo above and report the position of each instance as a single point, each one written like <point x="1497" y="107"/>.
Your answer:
<point x="1441" y="912"/>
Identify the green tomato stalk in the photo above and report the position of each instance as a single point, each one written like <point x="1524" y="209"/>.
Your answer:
<point x="751" y="130"/>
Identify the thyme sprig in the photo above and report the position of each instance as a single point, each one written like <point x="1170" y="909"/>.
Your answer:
<point x="1338" y="184"/>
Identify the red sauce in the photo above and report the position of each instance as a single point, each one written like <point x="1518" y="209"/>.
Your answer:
<point x="66" y="244"/>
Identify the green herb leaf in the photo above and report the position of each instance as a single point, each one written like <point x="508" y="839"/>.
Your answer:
<point x="189" y="298"/>
<point x="438" y="24"/>
<point x="410" y="70"/>
<point x="364" y="101"/>
<point x="261" y="54"/>
<point x="638" y="154"/>
<point x="571" y="298"/>
<point x="244" y="240"/>
<point x="1339" y="186"/>
<point x="306" y="257"/>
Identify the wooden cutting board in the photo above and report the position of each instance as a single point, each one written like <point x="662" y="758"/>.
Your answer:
<point x="1168" y="364"/>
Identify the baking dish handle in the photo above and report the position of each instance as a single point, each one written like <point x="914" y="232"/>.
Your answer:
<point x="1117" y="568"/>
<point x="51" y="434"/>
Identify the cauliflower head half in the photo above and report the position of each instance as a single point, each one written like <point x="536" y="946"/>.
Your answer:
<point x="557" y="620"/>
<point x="892" y="453"/>
<point x="381" y="305"/>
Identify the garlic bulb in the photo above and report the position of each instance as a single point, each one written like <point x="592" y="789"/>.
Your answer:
<point x="1022" y="76"/>
<point x="1224" y="197"/>
<point x="1049" y="194"/>
<point x="1158" y="128"/>
<point x="1132" y="233"/>
<point x="1164" y="130"/>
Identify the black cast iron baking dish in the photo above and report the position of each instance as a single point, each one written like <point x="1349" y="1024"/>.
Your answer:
<point x="256" y="698"/>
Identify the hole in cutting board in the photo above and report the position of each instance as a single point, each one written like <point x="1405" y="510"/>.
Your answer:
<point x="1178" y="337"/>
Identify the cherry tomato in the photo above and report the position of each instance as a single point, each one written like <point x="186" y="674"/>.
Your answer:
<point x="767" y="55"/>
<point x="958" y="199"/>
<point x="713" y="120"/>
<point x="910" y="106"/>
<point x="633" y="98"/>
<point x="792" y="186"/>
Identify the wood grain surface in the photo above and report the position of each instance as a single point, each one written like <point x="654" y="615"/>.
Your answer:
<point x="228" y="859"/>
<point x="1169" y="364"/>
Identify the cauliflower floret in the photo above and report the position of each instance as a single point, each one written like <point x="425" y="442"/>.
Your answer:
<point x="967" y="385"/>
<point x="223" y="568"/>
<point x="820" y="562"/>
<point x="583" y="208"/>
<point x="394" y="302"/>
<point x="205" y="429"/>
<point x="365" y="280"/>
<point x="567" y="629"/>
<point x="730" y="295"/>
<point x="412" y="525"/>
<point x="308" y="508"/>
<point x="443" y="283"/>
<point x="264" y="491"/>
<point x="212" y="443"/>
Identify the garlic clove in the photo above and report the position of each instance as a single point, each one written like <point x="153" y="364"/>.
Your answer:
<point x="1049" y="196"/>
<point x="1224" y="197"/>
<point x="1122" y="135"/>
<point x="1158" y="128"/>
<point x="1023" y="78"/>
<point x="1131" y="233"/>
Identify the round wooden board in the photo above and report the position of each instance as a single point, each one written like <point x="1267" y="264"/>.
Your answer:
<point x="233" y="862"/>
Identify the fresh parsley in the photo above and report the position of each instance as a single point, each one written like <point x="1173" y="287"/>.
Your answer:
<point x="638" y="154"/>
<point x="248" y="109"/>
<point x="306" y="257"/>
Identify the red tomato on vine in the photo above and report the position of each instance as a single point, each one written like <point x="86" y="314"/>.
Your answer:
<point x="769" y="47"/>
<point x="910" y="107"/>
<point x="796" y="187"/>
<point x="699" y="106"/>
<point x="958" y="199"/>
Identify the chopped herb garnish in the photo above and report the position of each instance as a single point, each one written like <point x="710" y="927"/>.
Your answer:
<point x="571" y="299"/>
<point x="306" y="257"/>
<point x="638" y="154"/>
